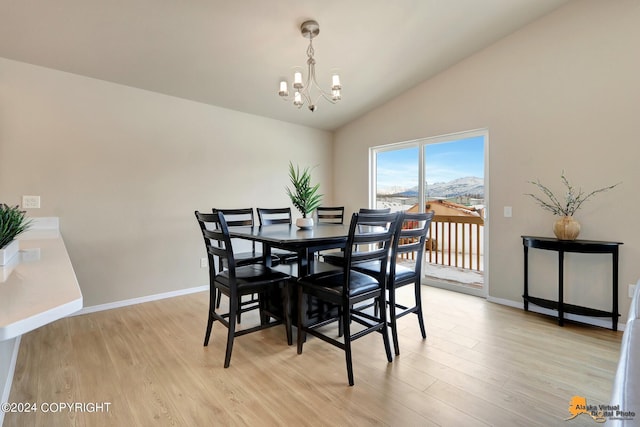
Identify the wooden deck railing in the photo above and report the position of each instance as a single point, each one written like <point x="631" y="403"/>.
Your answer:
<point x="456" y="241"/>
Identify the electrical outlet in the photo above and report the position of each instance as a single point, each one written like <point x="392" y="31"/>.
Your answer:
<point x="204" y="263"/>
<point x="508" y="212"/>
<point x="632" y="289"/>
<point x="30" y="202"/>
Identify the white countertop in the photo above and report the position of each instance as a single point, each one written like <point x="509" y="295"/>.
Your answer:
<point x="38" y="286"/>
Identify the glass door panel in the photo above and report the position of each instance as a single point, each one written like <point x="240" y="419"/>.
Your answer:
<point x="397" y="178"/>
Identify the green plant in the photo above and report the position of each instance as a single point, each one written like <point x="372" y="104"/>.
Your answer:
<point x="12" y="223"/>
<point x="573" y="199"/>
<point x="304" y="196"/>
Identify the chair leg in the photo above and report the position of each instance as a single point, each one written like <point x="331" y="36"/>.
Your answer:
<point x="212" y="300"/>
<point x="233" y="302"/>
<point x="345" y="320"/>
<point x="262" y="308"/>
<point x="239" y="309"/>
<point x="209" y="327"/>
<point x="393" y="320"/>
<point x="301" y="332"/>
<point x="418" y="294"/>
<point x="218" y="298"/>
<point x="286" y="311"/>
<point x="384" y="331"/>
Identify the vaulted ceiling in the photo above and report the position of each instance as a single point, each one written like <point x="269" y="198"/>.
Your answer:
<point x="233" y="54"/>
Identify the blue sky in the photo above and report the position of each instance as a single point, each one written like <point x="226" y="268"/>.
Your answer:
<point x="445" y="162"/>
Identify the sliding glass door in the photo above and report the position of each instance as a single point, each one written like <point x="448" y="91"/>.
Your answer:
<point x="446" y="175"/>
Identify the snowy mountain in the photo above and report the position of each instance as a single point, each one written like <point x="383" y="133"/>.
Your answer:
<point x="457" y="187"/>
<point x="470" y="185"/>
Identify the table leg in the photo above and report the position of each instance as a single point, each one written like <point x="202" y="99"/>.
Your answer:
<point x="614" y="314"/>
<point x="266" y="254"/>
<point x="561" y="288"/>
<point x="526" y="278"/>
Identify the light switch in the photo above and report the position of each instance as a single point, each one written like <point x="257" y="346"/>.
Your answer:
<point x="30" y="202"/>
<point x="507" y="211"/>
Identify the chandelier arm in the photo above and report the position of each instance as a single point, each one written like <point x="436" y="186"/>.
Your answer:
<point x="321" y="92"/>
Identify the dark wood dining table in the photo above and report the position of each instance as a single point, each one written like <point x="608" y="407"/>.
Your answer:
<point x="305" y="242"/>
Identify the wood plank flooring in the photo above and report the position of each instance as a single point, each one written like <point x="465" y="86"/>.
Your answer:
<point x="482" y="364"/>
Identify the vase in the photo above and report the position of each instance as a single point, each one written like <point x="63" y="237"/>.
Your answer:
<point x="8" y="252"/>
<point x="566" y="228"/>
<point x="304" y="223"/>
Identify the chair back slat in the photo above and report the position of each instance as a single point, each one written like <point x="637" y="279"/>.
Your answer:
<point x="238" y="217"/>
<point x="274" y="216"/>
<point x="330" y="214"/>
<point x="374" y="211"/>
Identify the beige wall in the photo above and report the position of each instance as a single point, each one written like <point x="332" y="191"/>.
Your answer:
<point x="562" y="93"/>
<point x="124" y="169"/>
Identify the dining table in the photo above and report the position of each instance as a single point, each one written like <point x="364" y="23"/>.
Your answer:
<point x="304" y="242"/>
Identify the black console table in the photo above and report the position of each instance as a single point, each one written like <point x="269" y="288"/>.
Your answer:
<point x="562" y="246"/>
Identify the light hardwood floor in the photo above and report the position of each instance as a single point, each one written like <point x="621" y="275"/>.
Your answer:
<point x="481" y="364"/>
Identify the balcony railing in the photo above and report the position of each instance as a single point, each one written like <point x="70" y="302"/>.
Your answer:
<point x="456" y="241"/>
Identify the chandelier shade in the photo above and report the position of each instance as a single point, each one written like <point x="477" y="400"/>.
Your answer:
<point x="307" y="90"/>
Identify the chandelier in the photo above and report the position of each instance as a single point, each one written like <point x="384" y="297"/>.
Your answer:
<point x="310" y="92"/>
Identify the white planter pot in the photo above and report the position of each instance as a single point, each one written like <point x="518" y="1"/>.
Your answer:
<point x="8" y="252"/>
<point x="304" y="223"/>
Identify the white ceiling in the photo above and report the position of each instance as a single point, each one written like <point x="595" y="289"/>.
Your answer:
<point x="233" y="53"/>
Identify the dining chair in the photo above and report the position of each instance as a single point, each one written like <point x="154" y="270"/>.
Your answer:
<point x="411" y="238"/>
<point x="237" y="281"/>
<point x="271" y="216"/>
<point x="239" y="217"/>
<point x="347" y="287"/>
<point x="242" y="217"/>
<point x="337" y="258"/>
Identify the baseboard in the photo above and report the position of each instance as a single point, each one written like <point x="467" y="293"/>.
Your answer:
<point x="140" y="300"/>
<point x="602" y="322"/>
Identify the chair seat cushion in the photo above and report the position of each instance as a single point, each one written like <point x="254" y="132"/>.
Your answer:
<point x="252" y="276"/>
<point x="331" y="283"/>
<point x="403" y="274"/>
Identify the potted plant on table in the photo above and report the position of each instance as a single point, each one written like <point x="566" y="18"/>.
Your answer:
<point x="12" y="223"/>
<point x="565" y="228"/>
<point x="304" y="196"/>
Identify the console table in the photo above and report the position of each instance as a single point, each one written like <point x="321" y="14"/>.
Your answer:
<point x="562" y="246"/>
